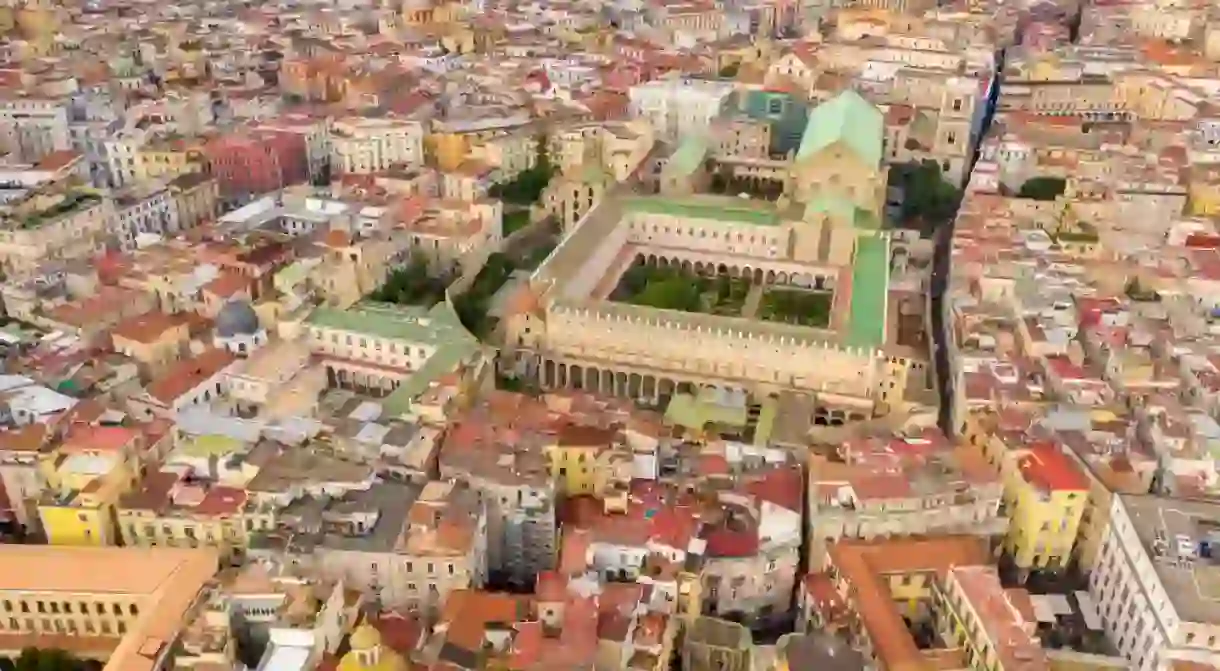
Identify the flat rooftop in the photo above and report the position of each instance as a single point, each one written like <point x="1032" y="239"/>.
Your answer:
<point x="1191" y="581"/>
<point x="71" y="204"/>
<point x="45" y="568"/>
<point x="167" y="581"/>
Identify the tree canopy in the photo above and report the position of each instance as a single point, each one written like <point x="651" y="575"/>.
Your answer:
<point x="473" y="305"/>
<point x="412" y="284"/>
<point x="1043" y="188"/>
<point x="48" y="659"/>
<point x="927" y="197"/>
<point x="527" y="187"/>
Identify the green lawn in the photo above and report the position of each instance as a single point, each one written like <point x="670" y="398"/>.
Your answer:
<point x="515" y="221"/>
<point x="796" y="306"/>
<point x="672" y="289"/>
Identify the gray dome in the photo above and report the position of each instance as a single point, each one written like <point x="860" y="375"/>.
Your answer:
<point x="237" y="318"/>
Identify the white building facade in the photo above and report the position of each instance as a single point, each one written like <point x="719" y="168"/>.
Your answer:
<point x="32" y="128"/>
<point x="363" y="146"/>
<point x="1150" y="586"/>
<point x="679" y="107"/>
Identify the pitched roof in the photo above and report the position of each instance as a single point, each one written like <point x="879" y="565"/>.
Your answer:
<point x="689" y="155"/>
<point x="846" y="118"/>
<point x="869" y="288"/>
<point x="841" y="209"/>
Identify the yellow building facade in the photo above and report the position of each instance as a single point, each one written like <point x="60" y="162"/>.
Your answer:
<point x="573" y="458"/>
<point x="112" y="602"/>
<point x="446" y="151"/>
<point x="1204" y="195"/>
<point x="1045" y="495"/>
<point x="85" y="478"/>
<point x="179" y="515"/>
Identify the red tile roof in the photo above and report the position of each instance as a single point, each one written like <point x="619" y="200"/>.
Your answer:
<point x="865" y="565"/>
<point x="187" y="374"/>
<point x="221" y="500"/>
<point x="1048" y="468"/>
<point x="399" y="633"/>
<point x="100" y="438"/>
<point x="730" y="543"/>
<point x="146" y="328"/>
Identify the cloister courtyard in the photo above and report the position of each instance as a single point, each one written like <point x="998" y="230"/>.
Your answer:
<point x="709" y="289"/>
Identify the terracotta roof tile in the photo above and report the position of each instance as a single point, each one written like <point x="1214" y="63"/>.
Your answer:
<point x="148" y="327"/>
<point x="187" y="374"/>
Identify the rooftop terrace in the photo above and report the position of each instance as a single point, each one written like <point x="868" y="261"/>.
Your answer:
<point x="70" y="204"/>
<point x="1173" y="532"/>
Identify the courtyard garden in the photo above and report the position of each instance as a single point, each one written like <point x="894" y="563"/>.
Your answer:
<point x="801" y="307"/>
<point x="670" y="288"/>
<point x="413" y="284"/>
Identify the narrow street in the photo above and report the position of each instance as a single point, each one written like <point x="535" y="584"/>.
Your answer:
<point x="941" y="269"/>
<point x="939" y="285"/>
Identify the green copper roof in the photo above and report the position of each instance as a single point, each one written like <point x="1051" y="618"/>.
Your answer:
<point x="458" y="347"/>
<point x="437" y="325"/>
<point x="870" y="278"/>
<point x="689" y="155"/>
<point x="846" y="118"/>
<point x="841" y="209"/>
<point x="716" y="208"/>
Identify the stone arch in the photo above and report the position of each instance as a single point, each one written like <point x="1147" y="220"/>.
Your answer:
<point x="562" y="382"/>
<point x="687" y="267"/>
<point x="819" y="282"/>
<point x="650" y="387"/>
<point x="758" y="276"/>
<point x="722" y="269"/>
<point x="782" y="278"/>
<point x="635" y="385"/>
<point x="548" y="373"/>
<point x="640" y="260"/>
<point x="576" y="377"/>
<point x="698" y="267"/>
<point x="593" y="379"/>
<point x="665" y="387"/>
<point x="770" y="277"/>
<point x="821" y="417"/>
<point x="332" y="378"/>
<point x="652" y="260"/>
<point x="620" y="384"/>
